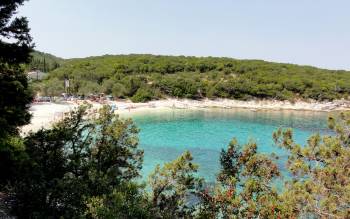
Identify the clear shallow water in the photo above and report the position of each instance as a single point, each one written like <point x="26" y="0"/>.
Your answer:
<point x="165" y="135"/>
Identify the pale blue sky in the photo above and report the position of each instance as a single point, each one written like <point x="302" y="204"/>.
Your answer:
<point x="312" y="32"/>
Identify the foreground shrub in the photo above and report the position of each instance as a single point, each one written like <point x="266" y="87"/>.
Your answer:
<point x="80" y="157"/>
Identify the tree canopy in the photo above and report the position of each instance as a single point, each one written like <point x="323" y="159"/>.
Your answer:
<point x="44" y="62"/>
<point x="15" y="47"/>
<point x="79" y="158"/>
<point x="145" y="77"/>
<point x="15" y="95"/>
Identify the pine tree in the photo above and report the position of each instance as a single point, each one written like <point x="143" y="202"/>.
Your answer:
<point x="15" y="95"/>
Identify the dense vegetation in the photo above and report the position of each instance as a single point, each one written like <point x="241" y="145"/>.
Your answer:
<point x="15" y="95"/>
<point x="75" y="160"/>
<point x="44" y="62"/>
<point x="146" y="77"/>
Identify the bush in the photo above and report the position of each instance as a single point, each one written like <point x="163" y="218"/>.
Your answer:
<point x="78" y="159"/>
<point x="143" y="95"/>
<point x="118" y="90"/>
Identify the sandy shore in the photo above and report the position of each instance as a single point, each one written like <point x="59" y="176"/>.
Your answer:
<point x="257" y="105"/>
<point x="45" y="114"/>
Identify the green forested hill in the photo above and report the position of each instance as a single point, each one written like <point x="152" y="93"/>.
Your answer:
<point x="146" y="77"/>
<point x="44" y="62"/>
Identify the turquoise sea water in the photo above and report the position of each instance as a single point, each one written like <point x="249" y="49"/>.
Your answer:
<point x="204" y="132"/>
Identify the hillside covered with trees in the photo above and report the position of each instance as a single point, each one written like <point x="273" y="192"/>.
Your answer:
<point x="147" y="77"/>
<point x="44" y="62"/>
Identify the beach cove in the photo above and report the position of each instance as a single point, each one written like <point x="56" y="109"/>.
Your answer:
<point x="45" y="114"/>
<point x="169" y="127"/>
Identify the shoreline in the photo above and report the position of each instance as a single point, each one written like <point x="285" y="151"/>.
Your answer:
<point x="45" y="114"/>
<point x="337" y="105"/>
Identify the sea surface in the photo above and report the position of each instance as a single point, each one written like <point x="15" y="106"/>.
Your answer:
<point x="204" y="132"/>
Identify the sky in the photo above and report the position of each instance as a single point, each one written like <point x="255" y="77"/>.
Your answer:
<point x="306" y="32"/>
